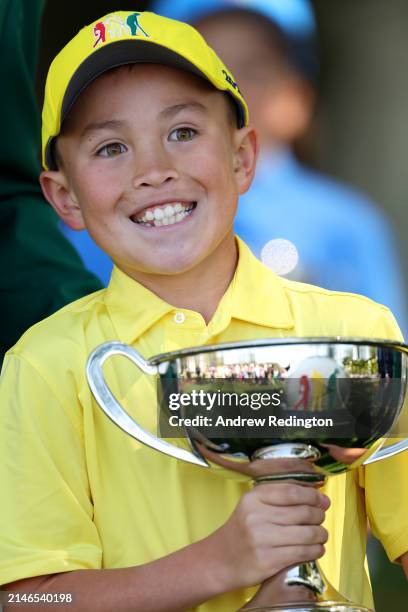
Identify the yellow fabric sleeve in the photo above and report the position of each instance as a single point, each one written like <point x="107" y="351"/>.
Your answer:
<point x="386" y="494"/>
<point x="44" y="474"/>
<point x="386" y="482"/>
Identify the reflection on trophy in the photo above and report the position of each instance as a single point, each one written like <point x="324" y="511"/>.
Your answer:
<point x="332" y="402"/>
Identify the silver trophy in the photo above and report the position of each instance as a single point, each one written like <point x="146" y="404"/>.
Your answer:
<point x="333" y="401"/>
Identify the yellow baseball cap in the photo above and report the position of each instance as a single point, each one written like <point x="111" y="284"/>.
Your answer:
<point x="121" y="38"/>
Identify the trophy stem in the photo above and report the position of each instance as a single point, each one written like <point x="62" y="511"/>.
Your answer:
<point x="287" y="450"/>
<point x="290" y="450"/>
<point x="307" y="575"/>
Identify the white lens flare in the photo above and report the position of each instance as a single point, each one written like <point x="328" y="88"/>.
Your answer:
<point x="280" y="255"/>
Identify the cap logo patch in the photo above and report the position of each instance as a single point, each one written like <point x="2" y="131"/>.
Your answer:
<point x="115" y="27"/>
<point x="230" y="80"/>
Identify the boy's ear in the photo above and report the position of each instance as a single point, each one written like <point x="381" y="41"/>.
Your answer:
<point x="246" y="153"/>
<point x="56" y="190"/>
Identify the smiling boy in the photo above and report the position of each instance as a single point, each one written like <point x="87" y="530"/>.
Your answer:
<point x="156" y="182"/>
<point x="147" y="144"/>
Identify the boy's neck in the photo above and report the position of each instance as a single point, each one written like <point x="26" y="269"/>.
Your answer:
<point x="199" y="289"/>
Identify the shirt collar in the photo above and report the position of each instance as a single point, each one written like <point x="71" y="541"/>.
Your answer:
<point x="132" y="307"/>
<point x="256" y="294"/>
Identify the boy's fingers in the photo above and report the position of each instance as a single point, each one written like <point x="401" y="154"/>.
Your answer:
<point x="289" y="494"/>
<point x="291" y="535"/>
<point x="296" y="515"/>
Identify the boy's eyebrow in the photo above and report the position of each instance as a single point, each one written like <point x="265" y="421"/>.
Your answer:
<point x="166" y="113"/>
<point x="101" y="125"/>
<point x="177" y="108"/>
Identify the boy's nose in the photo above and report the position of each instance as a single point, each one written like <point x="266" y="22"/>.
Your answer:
<point x="153" y="169"/>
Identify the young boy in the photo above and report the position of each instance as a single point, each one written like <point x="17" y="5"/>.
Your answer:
<point x="146" y="143"/>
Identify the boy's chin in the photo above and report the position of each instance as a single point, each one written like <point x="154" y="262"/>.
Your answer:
<point x="175" y="269"/>
<point x="170" y="267"/>
<point x="179" y="259"/>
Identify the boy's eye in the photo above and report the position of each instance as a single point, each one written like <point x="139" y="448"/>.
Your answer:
<point x="112" y="150"/>
<point x="182" y="134"/>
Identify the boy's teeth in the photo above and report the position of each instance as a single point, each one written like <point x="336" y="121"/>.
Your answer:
<point x="171" y="220"/>
<point x="158" y="214"/>
<point x="170" y="214"/>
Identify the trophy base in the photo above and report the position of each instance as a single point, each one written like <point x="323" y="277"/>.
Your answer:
<point x="311" y="606"/>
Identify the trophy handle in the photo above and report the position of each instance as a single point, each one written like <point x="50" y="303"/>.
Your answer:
<point x="112" y="408"/>
<point x="382" y="452"/>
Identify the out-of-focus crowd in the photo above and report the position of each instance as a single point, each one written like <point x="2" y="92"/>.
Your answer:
<point x="256" y="372"/>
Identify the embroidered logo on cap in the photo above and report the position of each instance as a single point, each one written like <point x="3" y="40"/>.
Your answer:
<point x="230" y="80"/>
<point x="115" y="27"/>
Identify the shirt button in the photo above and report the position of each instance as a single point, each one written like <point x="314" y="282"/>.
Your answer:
<point x="179" y="317"/>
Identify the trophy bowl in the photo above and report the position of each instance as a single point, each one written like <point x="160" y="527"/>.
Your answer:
<point x="237" y="407"/>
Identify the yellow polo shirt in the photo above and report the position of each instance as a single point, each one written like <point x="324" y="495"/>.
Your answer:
<point x="79" y="493"/>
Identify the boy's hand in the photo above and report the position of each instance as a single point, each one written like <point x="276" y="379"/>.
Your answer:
<point x="273" y="527"/>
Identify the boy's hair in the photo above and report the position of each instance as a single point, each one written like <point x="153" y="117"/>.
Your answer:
<point x="122" y="38"/>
